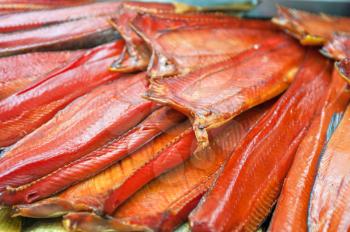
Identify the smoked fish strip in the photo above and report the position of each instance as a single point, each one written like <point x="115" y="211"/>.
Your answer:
<point x="90" y="121"/>
<point x="36" y="19"/>
<point x="165" y="203"/>
<point x="18" y="72"/>
<point x="329" y="201"/>
<point x="83" y="33"/>
<point x="292" y="206"/>
<point x="98" y="160"/>
<point x="192" y="35"/>
<point x="23" y="112"/>
<point x="91" y="194"/>
<point x="310" y="28"/>
<point x="81" y="127"/>
<point x="252" y="178"/>
<point x="213" y="95"/>
<point x="338" y="47"/>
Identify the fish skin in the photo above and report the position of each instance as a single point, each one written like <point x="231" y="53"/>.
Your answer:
<point x="18" y="72"/>
<point x="23" y="112"/>
<point x="36" y="19"/>
<point x="292" y="206"/>
<point x="98" y="160"/>
<point x="87" y="123"/>
<point x="248" y="187"/>
<point x="165" y="203"/>
<point x="137" y="53"/>
<point x="187" y="49"/>
<point x="196" y="94"/>
<point x="83" y="33"/>
<point x="310" y="28"/>
<point x="343" y="68"/>
<point x="329" y="201"/>
<point x="91" y="194"/>
<point x="338" y="47"/>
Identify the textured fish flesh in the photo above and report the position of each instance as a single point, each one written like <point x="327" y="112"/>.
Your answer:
<point x="252" y="178"/>
<point x="98" y="160"/>
<point x="87" y="123"/>
<point x="26" y="110"/>
<point x="151" y="23"/>
<point x="184" y="43"/>
<point x="91" y="194"/>
<point x="338" y="47"/>
<point x="35" y="19"/>
<point x="137" y="54"/>
<point x="15" y="6"/>
<point x="343" y="67"/>
<point x="215" y="94"/>
<point x="292" y="207"/>
<point x="18" y="72"/>
<point x="166" y="202"/>
<point x="309" y="28"/>
<point x="83" y="33"/>
<point x="329" y="208"/>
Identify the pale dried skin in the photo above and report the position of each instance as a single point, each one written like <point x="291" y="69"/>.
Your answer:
<point x="309" y="28"/>
<point x="213" y="95"/>
<point x="91" y="194"/>
<point x="70" y="35"/>
<point x="252" y="178"/>
<point x="343" y="67"/>
<point x="330" y="197"/>
<point x="18" y="72"/>
<point x="291" y="210"/>
<point x="88" y="122"/>
<point x="338" y="47"/>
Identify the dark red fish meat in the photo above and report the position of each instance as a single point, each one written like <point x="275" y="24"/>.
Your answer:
<point x="292" y="207"/>
<point x="35" y="19"/>
<point x="96" y="161"/>
<point x="215" y="94"/>
<point x="24" y="111"/>
<point x="75" y="34"/>
<point x="91" y="194"/>
<point x="252" y="178"/>
<point x="343" y="67"/>
<point x="165" y="203"/>
<point x="18" y="72"/>
<point x="84" y="125"/>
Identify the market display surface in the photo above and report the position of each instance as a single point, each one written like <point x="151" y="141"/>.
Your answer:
<point x="144" y="116"/>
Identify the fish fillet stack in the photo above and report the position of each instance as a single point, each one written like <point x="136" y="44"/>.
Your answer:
<point x="130" y="116"/>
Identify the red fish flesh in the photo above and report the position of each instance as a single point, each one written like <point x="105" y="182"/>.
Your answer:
<point x="338" y="47"/>
<point x="252" y="178"/>
<point x="213" y="95"/>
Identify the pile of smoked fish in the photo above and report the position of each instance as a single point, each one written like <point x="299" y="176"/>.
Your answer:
<point x="130" y="116"/>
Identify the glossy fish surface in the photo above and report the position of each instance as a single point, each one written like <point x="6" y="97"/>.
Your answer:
<point x="23" y="112"/>
<point x="83" y="33"/>
<point x="90" y="195"/>
<point x="338" y="47"/>
<point x="98" y="160"/>
<point x="87" y="123"/>
<point x="292" y="206"/>
<point x="330" y="198"/>
<point x="310" y="28"/>
<point x="343" y="67"/>
<point x="18" y="72"/>
<point x="165" y="203"/>
<point x="252" y="178"/>
<point x="215" y="94"/>
<point x="35" y="19"/>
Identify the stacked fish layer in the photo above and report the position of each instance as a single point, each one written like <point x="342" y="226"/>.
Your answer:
<point x="130" y="116"/>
